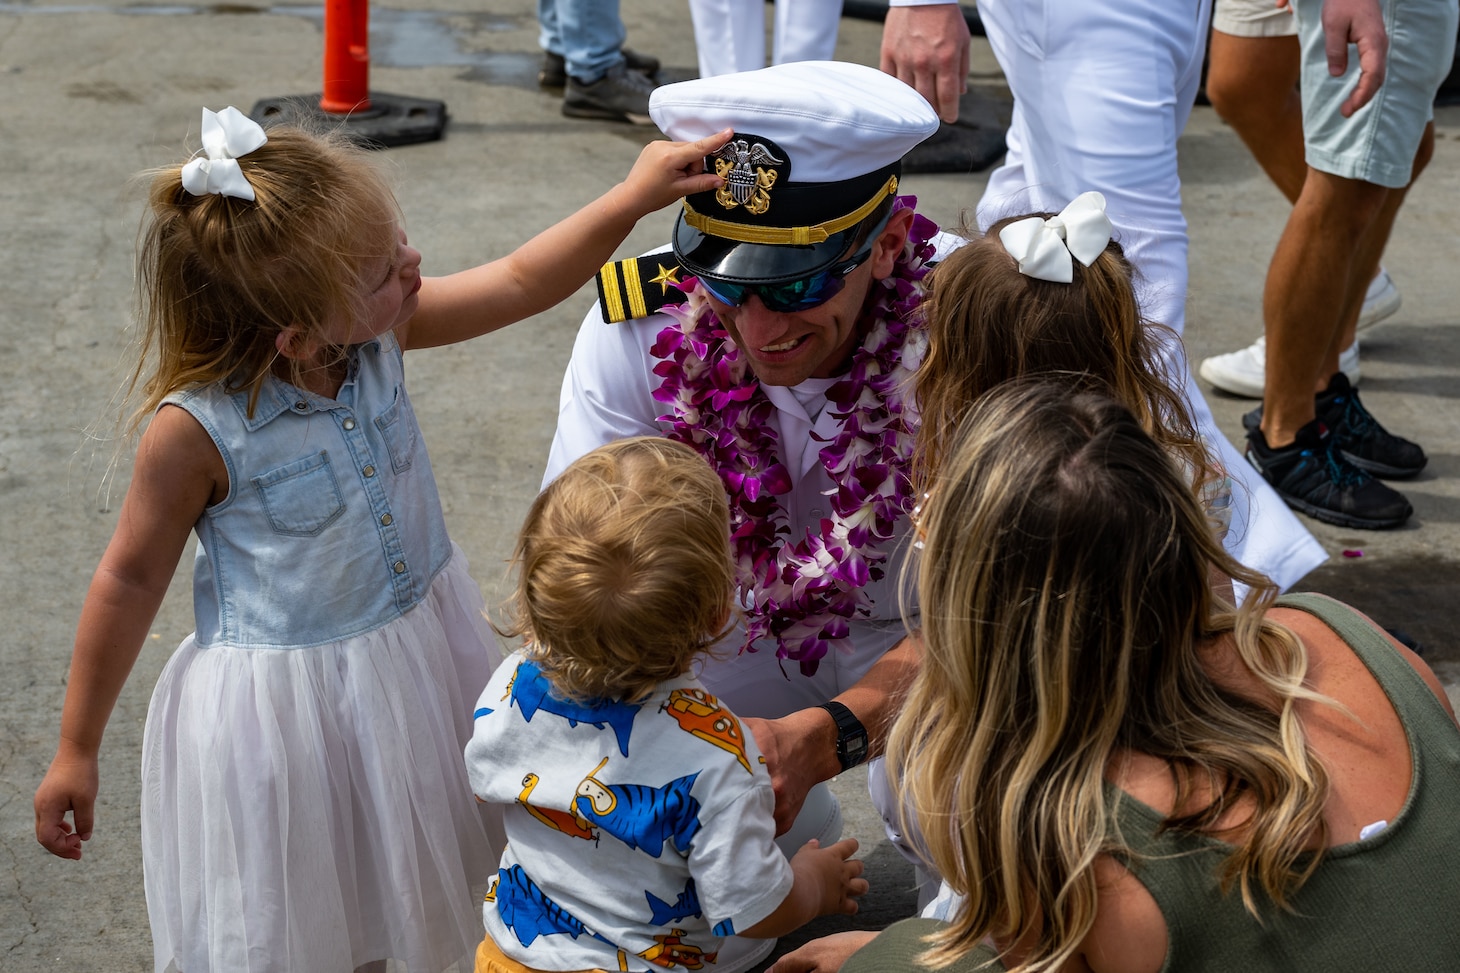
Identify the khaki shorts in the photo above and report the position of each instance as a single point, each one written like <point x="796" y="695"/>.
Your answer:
<point x="491" y="959"/>
<point x="1378" y="142"/>
<point x="1254" y="18"/>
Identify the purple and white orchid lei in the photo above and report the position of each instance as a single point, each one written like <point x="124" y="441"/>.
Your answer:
<point x="801" y="592"/>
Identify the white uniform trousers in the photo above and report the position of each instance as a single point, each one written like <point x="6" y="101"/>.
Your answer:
<point x="730" y="34"/>
<point x="1102" y="89"/>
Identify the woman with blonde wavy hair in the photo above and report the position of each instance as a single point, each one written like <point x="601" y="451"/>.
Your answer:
<point x="1114" y="769"/>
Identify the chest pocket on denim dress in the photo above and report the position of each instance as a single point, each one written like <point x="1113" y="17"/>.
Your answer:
<point x="398" y="429"/>
<point x="301" y="498"/>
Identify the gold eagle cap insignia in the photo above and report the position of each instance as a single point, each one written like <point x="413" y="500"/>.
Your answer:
<point x="748" y="170"/>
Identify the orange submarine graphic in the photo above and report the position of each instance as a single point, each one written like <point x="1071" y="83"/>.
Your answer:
<point x="701" y="715"/>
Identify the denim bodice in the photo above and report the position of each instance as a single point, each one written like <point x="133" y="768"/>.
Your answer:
<point x="332" y="525"/>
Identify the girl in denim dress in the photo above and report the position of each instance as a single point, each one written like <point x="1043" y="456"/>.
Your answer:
<point x="305" y="805"/>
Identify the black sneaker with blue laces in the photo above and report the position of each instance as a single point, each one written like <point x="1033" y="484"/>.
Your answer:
<point x="1312" y="475"/>
<point x="1364" y="442"/>
<point x="1360" y="438"/>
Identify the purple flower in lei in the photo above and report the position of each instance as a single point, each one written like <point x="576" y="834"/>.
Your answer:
<point x="801" y="591"/>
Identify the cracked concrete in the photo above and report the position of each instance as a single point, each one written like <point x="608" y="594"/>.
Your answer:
<point x="93" y="97"/>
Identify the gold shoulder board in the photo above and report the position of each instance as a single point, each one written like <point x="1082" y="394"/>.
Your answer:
<point x="638" y="286"/>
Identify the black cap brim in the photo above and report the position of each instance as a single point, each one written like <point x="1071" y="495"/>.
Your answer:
<point x="754" y="263"/>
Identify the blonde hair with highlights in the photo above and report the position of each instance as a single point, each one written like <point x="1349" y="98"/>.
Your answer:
<point x="1064" y="590"/>
<point x="624" y="570"/>
<point x="221" y="277"/>
<point x="988" y="322"/>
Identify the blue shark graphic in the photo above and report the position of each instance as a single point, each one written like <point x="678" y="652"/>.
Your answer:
<point x="531" y="691"/>
<point x="661" y="913"/>
<point x="484" y="711"/>
<point x="725" y="928"/>
<point x="643" y="817"/>
<point x="529" y="913"/>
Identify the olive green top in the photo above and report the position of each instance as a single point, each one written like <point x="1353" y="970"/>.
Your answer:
<point x="1390" y="902"/>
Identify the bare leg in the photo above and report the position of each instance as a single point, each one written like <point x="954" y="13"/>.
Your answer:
<point x="1252" y="83"/>
<point x="1308" y="285"/>
<point x="1371" y="250"/>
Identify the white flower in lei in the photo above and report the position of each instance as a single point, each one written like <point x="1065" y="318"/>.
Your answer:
<point x="801" y="591"/>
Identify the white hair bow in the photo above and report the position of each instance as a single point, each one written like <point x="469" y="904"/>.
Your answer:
<point x="228" y="135"/>
<point x="1044" y="247"/>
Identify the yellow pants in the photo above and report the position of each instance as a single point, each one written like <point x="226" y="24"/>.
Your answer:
<point x="490" y="959"/>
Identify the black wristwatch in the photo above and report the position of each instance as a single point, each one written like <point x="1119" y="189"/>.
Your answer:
<point x="851" y="735"/>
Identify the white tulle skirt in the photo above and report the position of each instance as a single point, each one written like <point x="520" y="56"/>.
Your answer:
<point x="308" y="810"/>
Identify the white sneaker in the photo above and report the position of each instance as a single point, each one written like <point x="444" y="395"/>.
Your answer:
<point x="1380" y="300"/>
<point x="1241" y="372"/>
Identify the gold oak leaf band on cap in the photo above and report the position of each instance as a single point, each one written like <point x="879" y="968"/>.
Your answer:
<point x="786" y="235"/>
<point x="757" y="174"/>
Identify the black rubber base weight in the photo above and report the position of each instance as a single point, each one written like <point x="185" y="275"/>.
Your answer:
<point x="390" y="119"/>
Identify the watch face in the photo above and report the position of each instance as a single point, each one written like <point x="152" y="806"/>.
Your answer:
<point x="851" y="735"/>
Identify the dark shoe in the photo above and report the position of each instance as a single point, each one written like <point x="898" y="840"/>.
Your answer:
<point x="1364" y="442"/>
<point x="620" y="95"/>
<point x="554" y="70"/>
<point x="1312" y="475"/>
<point x="1360" y="438"/>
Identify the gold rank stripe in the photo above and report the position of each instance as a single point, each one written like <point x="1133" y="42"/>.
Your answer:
<point x="633" y="289"/>
<point x="610" y="294"/>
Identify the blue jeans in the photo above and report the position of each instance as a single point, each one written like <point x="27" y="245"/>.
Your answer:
<point x="587" y="34"/>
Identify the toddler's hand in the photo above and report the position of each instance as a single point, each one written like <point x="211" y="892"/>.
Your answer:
<point x="667" y="171"/>
<point x="835" y="872"/>
<point x="69" y="786"/>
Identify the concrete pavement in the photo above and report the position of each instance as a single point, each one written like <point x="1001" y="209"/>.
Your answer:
<point x="95" y="92"/>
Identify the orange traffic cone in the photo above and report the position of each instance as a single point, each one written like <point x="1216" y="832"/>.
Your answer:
<point x="374" y="118"/>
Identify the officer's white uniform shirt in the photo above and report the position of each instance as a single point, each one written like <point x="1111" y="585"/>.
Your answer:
<point x="608" y="394"/>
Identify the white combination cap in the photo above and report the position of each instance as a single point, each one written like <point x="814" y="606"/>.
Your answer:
<point x="817" y="149"/>
<point x="836" y="119"/>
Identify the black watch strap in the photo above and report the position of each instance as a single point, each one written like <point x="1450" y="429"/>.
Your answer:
<point x="851" y="735"/>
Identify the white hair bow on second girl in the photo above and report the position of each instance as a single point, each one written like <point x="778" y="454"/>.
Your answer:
<point x="1044" y="247"/>
<point x="228" y="135"/>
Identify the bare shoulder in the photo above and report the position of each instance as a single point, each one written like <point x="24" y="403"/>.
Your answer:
<point x="1326" y="648"/>
<point x="176" y="455"/>
<point x="1129" y="935"/>
<point x="1129" y="932"/>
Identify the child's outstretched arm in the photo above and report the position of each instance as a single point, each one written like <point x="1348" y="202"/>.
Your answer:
<point x="176" y="474"/>
<point x="828" y="882"/>
<point x="551" y="266"/>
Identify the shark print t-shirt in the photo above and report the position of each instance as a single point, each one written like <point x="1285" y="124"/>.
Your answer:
<point x="638" y="835"/>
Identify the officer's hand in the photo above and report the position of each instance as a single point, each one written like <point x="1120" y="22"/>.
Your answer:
<point x="927" y="47"/>
<point x="799" y="751"/>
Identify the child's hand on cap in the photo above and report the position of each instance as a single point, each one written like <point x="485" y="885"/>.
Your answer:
<point x="667" y="171"/>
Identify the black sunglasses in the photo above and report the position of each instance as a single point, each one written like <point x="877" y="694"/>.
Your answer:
<point x="800" y="294"/>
